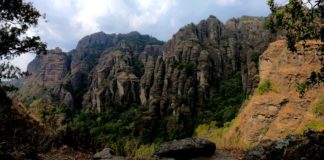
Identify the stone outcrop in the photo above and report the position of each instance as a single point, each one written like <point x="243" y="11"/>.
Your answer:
<point x="307" y="146"/>
<point x="186" y="149"/>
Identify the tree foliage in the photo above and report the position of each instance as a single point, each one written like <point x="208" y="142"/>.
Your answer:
<point x="301" y="19"/>
<point x="16" y="17"/>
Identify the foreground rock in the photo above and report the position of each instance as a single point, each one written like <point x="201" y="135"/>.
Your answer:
<point x="307" y="146"/>
<point x="186" y="148"/>
<point x="107" y="154"/>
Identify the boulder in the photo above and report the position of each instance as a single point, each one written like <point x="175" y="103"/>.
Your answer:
<point x="186" y="149"/>
<point x="107" y="154"/>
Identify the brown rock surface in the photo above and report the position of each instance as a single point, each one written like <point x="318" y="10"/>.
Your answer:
<point x="281" y="111"/>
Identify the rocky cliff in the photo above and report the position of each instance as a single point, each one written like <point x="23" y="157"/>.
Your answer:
<point x="173" y="81"/>
<point x="276" y="108"/>
<point x="48" y="71"/>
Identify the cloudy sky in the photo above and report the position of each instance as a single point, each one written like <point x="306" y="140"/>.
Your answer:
<point x="70" y="20"/>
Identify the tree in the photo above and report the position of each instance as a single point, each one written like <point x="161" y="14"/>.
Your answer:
<point x="16" y="17"/>
<point x="301" y="19"/>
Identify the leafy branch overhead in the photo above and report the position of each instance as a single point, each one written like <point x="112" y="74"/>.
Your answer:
<point x="16" y="17"/>
<point x="301" y="20"/>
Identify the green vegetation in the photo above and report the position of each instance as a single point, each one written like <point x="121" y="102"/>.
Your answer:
<point x="220" y="136"/>
<point x="298" y="19"/>
<point x="145" y="151"/>
<point x="16" y="18"/>
<point x="138" y="42"/>
<point x="255" y="57"/>
<point x="188" y="66"/>
<point x="264" y="87"/>
<point x="224" y="106"/>
<point x="138" y="67"/>
<point x="316" y="125"/>
<point x="318" y="108"/>
<point x="315" y="78"/>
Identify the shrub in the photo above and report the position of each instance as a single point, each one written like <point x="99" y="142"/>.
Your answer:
<point x="318" y="108"/>
<point x="316" y="125"/>
<point x="314" y="79"/>
<point x="264" y="87"/>
<point x="255" y="57"/>
<point x="188" y="66"/>
<point x="145" y="151"/>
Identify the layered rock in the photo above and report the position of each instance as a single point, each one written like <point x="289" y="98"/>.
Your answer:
<point x="50" y="71"/>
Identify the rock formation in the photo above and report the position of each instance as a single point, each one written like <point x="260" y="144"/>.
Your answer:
<point x="281" y="111"/>
<point x="50" y="71"/>
<point x="172" y="80"/>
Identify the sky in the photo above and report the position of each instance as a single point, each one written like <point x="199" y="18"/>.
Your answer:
<point x="67" y="21"/>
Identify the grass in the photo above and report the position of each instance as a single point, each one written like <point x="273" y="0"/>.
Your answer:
<point x="145" y="151"/>
<point x="265" y="86"/>
<point x="318" y="108"/>
<point x="220" y="136"/>
<point x="316" y="125"/>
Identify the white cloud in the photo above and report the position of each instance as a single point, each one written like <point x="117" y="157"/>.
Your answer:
<point x="70" y="20"/>
<point x="149" y="12"/>
<point x="225" y="2"/>
<point x="23" y="61"/>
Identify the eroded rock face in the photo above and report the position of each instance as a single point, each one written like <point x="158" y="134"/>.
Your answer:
<point x="114" y="82"/>
<point x="172" y="81"/>
<point x="249" y="38"/>
<point x="50" y="71"/>
<point x="186" y="76"/>
<point x="186" y="149"/>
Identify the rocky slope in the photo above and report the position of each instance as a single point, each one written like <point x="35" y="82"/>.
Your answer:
<point x="281" y="110"/>
<point x="173" y="81"/>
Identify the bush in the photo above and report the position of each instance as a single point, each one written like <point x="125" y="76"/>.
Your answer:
<point x="314" y="79"/>
<point x="255" y="57"/>
<point x="264" y="87"/>
<point x="318" y="108"/>
<point x="316" y="125"/>
<point x="188" y="66"/>
<point x="145" y="151"/>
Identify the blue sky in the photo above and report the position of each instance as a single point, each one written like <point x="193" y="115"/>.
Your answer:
<point x="70" y="20"/>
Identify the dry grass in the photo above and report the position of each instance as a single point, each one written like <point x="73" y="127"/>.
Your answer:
<point x="221" y="138"/>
